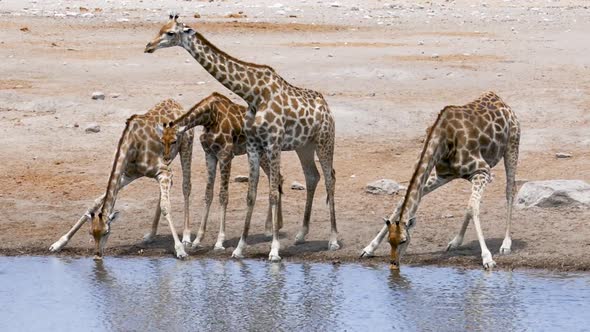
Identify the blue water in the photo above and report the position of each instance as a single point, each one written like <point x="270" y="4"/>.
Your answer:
<point x="137" y="294"/>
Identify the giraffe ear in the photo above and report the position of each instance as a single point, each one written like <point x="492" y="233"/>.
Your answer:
<point x="181" y="129"/>
<point x="387" y="221"/>
<point x="113" y="216"/>
<point x="411" y="222"/>
<point x="188" y="31"/>
<point x="159" y="130"/>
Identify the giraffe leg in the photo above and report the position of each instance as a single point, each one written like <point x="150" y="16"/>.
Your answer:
<point x="274" y="156"/>
<point x="59" y="244"/>
<point x="264" y="164"/>
<point x="434" y="182"/>
<point x="510" y="163"/>
<point x="325" y="152"/>
<point x="479" y="182"/>
<point x="225" y="170"/>
<point x="186" y="154"/>
<point x="165" y="181"/>
<point x="211" y="161"/>
<point x="312" y="177"/>
<point x="150" y="237"/>
<point x="254" y="165"/>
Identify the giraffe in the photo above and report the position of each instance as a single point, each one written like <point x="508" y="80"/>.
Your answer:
<point x="222" y="139"/>
<point x="138" y="154"/>
<point x="280" y="117"/>
<point x="464" y="142"/>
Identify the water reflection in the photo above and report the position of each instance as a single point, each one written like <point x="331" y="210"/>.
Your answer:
<point x="167" y="294"/>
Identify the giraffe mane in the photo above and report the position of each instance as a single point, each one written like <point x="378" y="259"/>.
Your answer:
<point x="413" y="180"/>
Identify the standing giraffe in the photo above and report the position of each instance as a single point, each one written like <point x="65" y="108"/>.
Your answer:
<point x="140" y="153"/>
<point x="464" y="142"/>
<point x="223" y="138"/>
<point x="280" y="117"/>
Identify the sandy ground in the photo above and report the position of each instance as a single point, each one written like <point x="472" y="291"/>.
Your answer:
<point x="385" y="69"/>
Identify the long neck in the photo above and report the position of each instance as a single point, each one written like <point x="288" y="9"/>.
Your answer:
<point x="117" y="171"/>
<point x="238" y="76"/>
<point x="431" y="154"/>
<point x="202" y="114"/>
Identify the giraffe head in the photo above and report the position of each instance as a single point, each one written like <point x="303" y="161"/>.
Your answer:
<point x="100" y="229"/>
<point x="399" y="238"/>
<point x="173" y="33"/>
<point x="170" y="136"/>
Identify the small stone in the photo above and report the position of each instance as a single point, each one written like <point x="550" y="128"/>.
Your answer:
<point x="355" y="9"/>
<point x="97" y="95"/>
<point x="92" y="128"/>
<point x="447" y="216"/>
<point x="330" y="56"/>
<point x="76" y="125"/>
<point x="25" y="29"/>
<point x="122" y="20"/>
<point x="197" y="15"/>
<point x="384" y="187"/>
<point x="335" y="4"/>
<point x="435" y="56"/>
<point x="115" y="95"/>
<point x="561" y="155"/>
<point x="241" y="178"/>
<point x="316" y="48"/>
<point x="297" y="186"/>
<point x="87" y="15"/>
<point x="420" y="42"/>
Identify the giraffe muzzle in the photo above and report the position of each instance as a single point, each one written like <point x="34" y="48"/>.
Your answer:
<point x="149" y="48"/>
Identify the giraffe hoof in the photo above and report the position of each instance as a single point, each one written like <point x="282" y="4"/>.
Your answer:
<point x="300" y="238"/>
<point x="505" y="251"/>
<point x="333" y="246"/>
<point x="180" y="253"/>
<point x="237" y="255"/>
<point x="196" y="245"/>
<point x="367" y="254"/>
<point x="274" y="258"/>
<point x="489" y="265"/>
<point x="187" y="244"/>
<point x="149" y="238"/>
<point x="219" y="247"/>
<point x="58" y="245"/>
<point x="506" y="245"/>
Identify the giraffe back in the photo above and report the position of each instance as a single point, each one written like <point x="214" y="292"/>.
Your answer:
<point x="227" y="130"/>
<point x="146" y="150"/>
<point x="475" y="135"/>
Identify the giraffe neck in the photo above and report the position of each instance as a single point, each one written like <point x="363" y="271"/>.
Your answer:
<point x="202" y="114"/>
<point x="430" y="155"/>
<point x="117" y="171"/>
<point x="238" y="76"/>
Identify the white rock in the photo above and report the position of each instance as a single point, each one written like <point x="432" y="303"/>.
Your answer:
<point x="552" y="193"/>
<point x="563" y="155"/>
<point x="92" y="128"/>
<point x="87" y="15"/>
<point x="241" y="178"/>
<point x="335" y="4"/>
<point x="115" y="95"/>
<point x="297" y="186"/>
<point x="97" y="95"/>
<point x="384" y="187"/>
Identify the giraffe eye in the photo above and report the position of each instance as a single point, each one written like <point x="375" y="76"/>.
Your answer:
<point x="170" y="33"/>
<point x="173" y="142"/>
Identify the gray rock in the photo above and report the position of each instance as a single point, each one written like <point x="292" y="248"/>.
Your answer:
<point x="97" y="95"/>
<point x="297" y="186"/>
<point x="553" y="193"/>
<point x="241" y="178"/>
<point x="92" y="128"/>
<point x="384" y="187"/>
<point x="563" y="155"/>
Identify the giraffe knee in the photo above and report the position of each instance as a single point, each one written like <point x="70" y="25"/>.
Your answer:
<point x="223" y="198"/>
